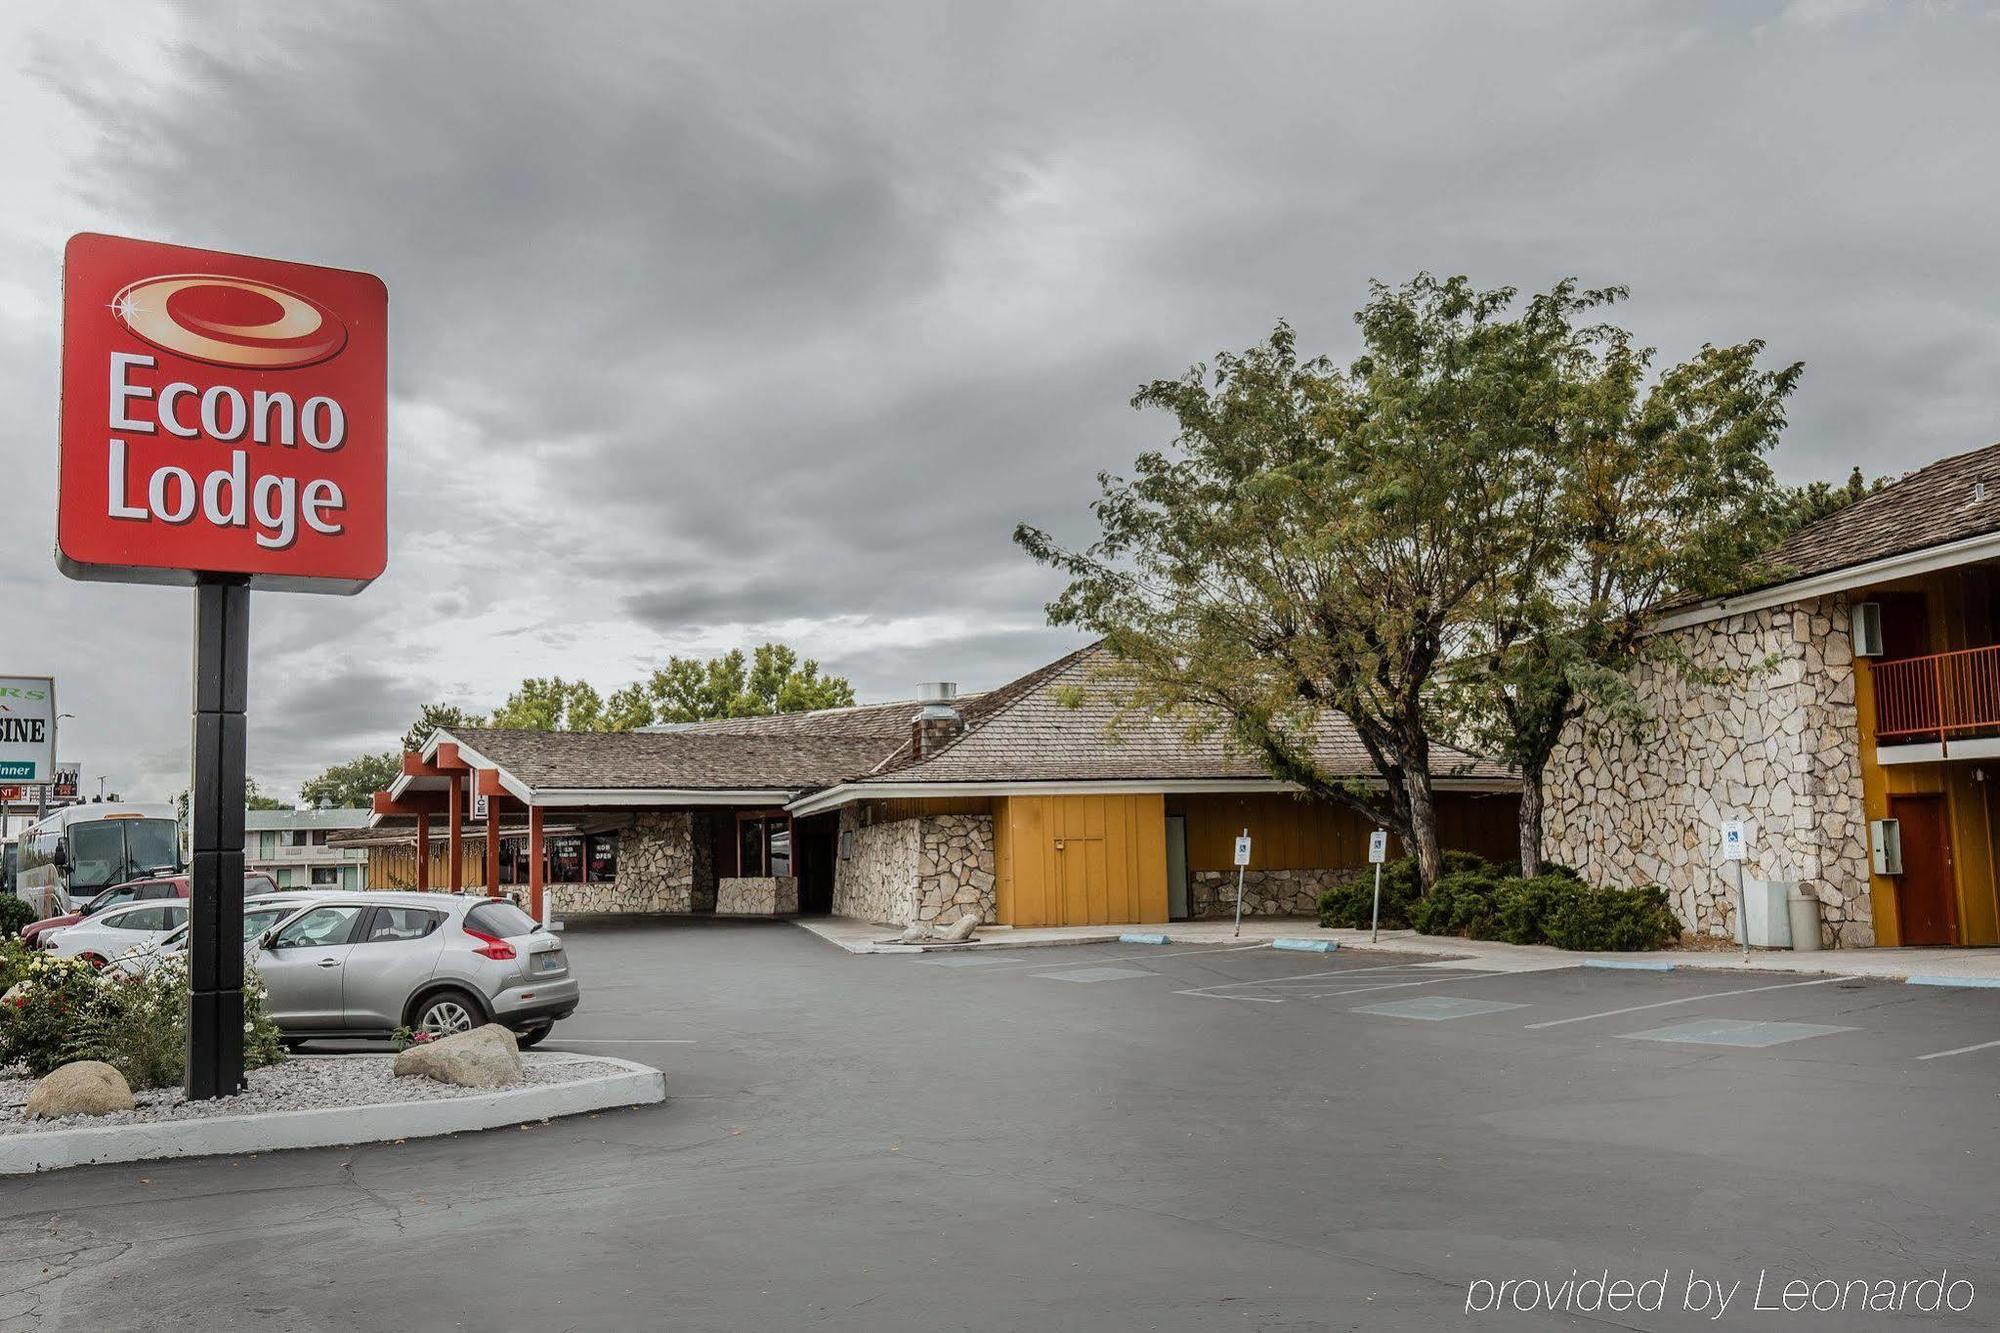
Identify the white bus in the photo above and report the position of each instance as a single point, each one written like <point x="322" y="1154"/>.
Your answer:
<point x="67" y="857"/>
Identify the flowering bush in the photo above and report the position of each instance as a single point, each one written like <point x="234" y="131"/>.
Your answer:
<point x="65" y="1010"/>
<point x="47" y="1002"/>
<point x="404" y="1038"/>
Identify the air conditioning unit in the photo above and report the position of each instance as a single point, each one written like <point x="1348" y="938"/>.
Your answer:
<point x="1886" y="837"/>
<point x="1867" y="620"/>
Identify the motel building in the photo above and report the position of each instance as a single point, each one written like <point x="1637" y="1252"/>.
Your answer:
<point x="1023" y="804"/>
<point x="1849" y="717"/>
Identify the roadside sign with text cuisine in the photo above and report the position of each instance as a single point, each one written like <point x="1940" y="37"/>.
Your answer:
<point x="221" y="414"/>
<point x="27" y="729"/>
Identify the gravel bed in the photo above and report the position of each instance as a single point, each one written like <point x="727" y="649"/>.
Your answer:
<point x="302" y="1083"/>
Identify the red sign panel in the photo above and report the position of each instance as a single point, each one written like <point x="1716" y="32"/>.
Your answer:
<point x="221" y="414"/>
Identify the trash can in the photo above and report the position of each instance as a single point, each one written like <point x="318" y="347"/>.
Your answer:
<point x="1803" y="908"/>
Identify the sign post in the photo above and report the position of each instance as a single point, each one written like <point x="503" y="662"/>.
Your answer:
<point x="1378" y="852"/>
<point x="1735" y="850"/>
<point x="1242" y="860"/>
<point x="224" y="426"/>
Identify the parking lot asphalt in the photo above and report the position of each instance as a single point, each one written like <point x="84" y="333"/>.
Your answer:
<point x="1104" y="1136"/>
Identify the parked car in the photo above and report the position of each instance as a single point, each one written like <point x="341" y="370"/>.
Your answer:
<point x="364" y="963"/>
<point x="138" y="890"/>
<point x="116" y="931"/>
<point x="259" y="915"/>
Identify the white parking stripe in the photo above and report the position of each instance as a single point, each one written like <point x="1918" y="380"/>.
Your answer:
<point x="1685" y="999"/>
<point x="626" y="1041"/>
<point x="1960" y="1050"/>
<point x="1464" y="978"/>
<point x="1118" y="957"/>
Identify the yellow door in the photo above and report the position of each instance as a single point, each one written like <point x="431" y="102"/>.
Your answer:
<point x="1080" y="860"/>
<point x="1080" y="877"/>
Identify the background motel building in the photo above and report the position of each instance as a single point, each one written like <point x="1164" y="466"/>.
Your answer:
<point x="1853" y="724"/>
<point x="1021" y="804"/>
<point x="292" y="847"/>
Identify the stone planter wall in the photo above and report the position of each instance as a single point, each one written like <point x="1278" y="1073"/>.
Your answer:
<point x="663" y="868"/>
<point x="757" y="895"/>
<point x="1776" y="745"/>
<point x="1212" y="893"/>
<point x="929" y="869"/>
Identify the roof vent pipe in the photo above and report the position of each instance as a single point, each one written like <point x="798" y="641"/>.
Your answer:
<point x="938" y="723"/>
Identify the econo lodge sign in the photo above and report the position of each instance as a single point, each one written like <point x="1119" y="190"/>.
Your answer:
<point x="221" y="414"/>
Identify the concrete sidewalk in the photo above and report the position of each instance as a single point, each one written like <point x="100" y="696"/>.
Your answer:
<point x="1961" y="966"/>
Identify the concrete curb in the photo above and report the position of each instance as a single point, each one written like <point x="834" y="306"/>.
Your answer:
<point x="1144" y="939"/>
<point x="1975" y="983"/>
<point x="633" y="1085"/>
<point x="1307" y="946"/>
<point x="1622" y="965"/>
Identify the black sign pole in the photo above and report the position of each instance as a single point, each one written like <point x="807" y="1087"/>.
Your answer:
<point x="215" y="837"/>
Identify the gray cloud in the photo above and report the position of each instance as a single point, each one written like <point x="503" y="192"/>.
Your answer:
<point x="771" y="320"/>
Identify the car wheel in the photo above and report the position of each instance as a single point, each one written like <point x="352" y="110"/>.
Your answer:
<point x="93" y="960"/>
<point x="533" y="1036"/>
<point x="447" y="1012"/>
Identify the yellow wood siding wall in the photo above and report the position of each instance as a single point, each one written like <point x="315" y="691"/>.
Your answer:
<point x="1079" y="860"/>
<point x="1290" y="833"/>
<point x="1958" y="605"/>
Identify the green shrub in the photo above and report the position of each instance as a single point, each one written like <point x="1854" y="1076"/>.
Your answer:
<point x="1460" y="904"/>
<point x="1522" y="907"/>
<point x="1350" y="902"/>
<point x="14" y="914"/>
<point x="1616" y="919"/>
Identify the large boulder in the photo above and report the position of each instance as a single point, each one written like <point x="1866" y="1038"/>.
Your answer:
<point x="486" y="1057"/>
<point x="85" y="1087"/>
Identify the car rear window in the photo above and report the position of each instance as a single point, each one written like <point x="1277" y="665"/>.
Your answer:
<point x="503" y="920"/>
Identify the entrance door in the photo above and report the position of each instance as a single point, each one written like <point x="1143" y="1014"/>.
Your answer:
<point x="1926" y="893"/>
<point x="1080" y="881"/>
<point x="1177" y="876"/>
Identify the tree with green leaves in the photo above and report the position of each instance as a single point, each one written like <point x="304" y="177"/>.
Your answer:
<point x="1656" y="487"/>
<point x="1315" y="541"/>
<point x="437" y="717"/>
<point x="773" y="680"/>
<point x="349" y="786"/>
<point x="254" y="798"/>
<point x="1802" y="506"/>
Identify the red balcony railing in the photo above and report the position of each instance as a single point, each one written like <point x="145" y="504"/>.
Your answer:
<point x="1939" y="696"/>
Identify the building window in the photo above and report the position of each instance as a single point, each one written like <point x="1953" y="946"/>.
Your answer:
<point x="565" y="860"/>
<point x="326" y="877"/>
<point x="602" y="858"/>
<point x="764" y="846"/>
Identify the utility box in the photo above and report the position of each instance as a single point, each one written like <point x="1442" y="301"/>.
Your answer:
<point x="1885" y="837"/>
<point x="1767" y="922"/>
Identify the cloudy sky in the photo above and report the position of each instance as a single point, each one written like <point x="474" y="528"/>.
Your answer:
<point x="719" y="323"/>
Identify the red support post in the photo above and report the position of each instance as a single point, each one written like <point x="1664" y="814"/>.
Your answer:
<point x="493" y="846"/>
<point x="423" y="851"/>
<point x="456" y="855"/>
<point x="535" y="862"/>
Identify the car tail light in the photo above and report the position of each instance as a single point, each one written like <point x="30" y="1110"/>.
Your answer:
<point x="494" y="947"/>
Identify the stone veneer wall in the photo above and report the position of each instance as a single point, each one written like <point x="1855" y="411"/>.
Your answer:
<point x="757" y="895"/>
<point x="1776" y="744"/>
<point x="929" y="869"/>
<point x="664" y="867"/>
<point x="1212" y="893"/>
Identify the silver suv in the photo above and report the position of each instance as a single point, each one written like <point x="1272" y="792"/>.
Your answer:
<point x="349" y="964"/>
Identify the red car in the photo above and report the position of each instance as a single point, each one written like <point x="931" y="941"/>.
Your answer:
<point x="138" y="890"/>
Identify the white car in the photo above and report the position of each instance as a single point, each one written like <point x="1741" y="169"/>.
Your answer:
<point x="117" y="931"/>
<point x="259" y="915"/>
